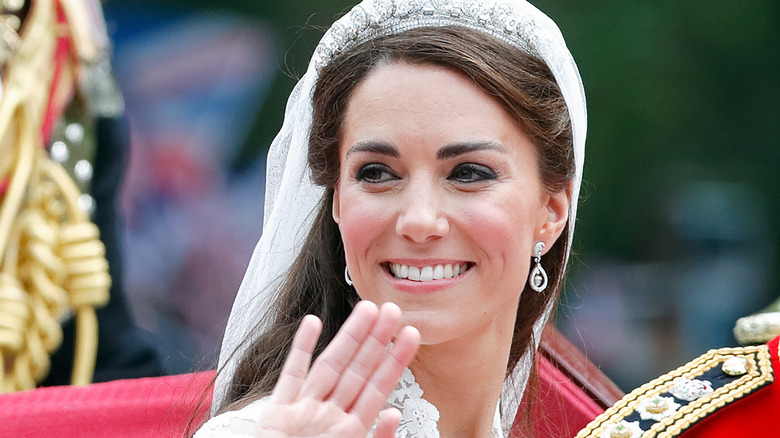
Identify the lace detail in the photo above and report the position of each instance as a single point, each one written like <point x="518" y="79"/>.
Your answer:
<point x="419" y="417"/>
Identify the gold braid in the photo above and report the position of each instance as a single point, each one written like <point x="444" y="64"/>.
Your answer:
<point x="52" y="262"/>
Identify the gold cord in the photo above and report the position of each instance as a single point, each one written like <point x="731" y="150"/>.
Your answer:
<point x="52" y="262"/>
<point x="759" y="373"/>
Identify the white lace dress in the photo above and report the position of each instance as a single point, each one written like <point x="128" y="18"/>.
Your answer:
<point x="419" y="418"/>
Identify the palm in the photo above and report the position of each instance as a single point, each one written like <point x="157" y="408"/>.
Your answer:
<point x="309" y="418"/>
<point x="343" y="393"/>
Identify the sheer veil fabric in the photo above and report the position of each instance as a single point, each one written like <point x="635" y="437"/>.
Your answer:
<point x="291" y="198"/>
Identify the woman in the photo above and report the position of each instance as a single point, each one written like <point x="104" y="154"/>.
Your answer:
<point x="446" y="141"/>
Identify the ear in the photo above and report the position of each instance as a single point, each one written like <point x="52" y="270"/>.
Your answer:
<point x="335" y="210"/>
<point x="554" y="216"/>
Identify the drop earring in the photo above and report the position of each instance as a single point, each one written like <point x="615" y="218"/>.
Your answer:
<point x="538" y="278"/>
<point x="346" y="276"/>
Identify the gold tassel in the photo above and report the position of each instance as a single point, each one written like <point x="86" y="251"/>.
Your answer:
<point x="52" y="262"/>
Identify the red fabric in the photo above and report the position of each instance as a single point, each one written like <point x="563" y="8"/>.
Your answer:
<point x="138" y="408"/>
<point x="559" y="409"/>
<point x="756" y="415"/>
<point x="162" y="406"/>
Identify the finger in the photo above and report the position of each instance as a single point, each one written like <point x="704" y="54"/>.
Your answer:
<point x="388" y="422"/>
<point x="329" y="366"/>
<point x="368" y="357"/>
<point x="393" y="364"/>
<point x="296" y="366"/>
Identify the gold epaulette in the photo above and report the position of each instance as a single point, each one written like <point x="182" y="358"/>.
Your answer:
<point x="672" y="403"/>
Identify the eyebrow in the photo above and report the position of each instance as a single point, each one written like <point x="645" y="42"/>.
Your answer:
<point x="445" y="152"/>
<point x="377" y="147"/>
<point x="453" y="150"/>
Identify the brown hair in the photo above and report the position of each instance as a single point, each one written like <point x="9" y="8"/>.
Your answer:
<point x="520" y="82"/>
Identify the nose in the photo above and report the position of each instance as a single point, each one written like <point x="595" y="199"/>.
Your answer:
<point x="421" y="218"/>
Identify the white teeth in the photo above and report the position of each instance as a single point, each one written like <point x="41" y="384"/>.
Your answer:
<point x="427" y="273"/>
<point x="438" y="272"/>
<point x="414" y="273"/>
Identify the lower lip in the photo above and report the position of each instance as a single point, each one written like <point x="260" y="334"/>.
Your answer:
<point x="423" y="287"/>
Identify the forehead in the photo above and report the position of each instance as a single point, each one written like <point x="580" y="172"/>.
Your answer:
<point x="421" y="101"/>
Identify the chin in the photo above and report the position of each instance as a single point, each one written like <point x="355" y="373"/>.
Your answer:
<point x="432" y="330"/>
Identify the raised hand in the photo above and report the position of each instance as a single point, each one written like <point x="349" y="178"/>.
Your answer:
<point x="344" y="392"/>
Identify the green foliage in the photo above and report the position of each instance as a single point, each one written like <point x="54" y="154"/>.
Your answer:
<point x="677" y="91"/>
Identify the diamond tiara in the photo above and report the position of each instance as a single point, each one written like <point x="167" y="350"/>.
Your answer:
<point x="510" y="21"/>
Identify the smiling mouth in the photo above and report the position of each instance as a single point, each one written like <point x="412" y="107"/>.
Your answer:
<point x="428" y="273"/>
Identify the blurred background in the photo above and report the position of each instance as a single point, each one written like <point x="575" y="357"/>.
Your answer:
<point x="676" y="232"/>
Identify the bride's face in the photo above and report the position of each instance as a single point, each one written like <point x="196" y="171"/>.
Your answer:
<point x="439" y="201"/>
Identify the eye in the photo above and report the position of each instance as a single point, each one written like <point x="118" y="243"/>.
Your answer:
<point x="470" y="173"/>
<point x="375" y="173"/>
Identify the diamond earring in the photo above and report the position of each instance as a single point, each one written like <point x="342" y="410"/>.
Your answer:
<point x="538" y="278"/>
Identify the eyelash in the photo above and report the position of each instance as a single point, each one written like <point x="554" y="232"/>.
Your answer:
<point x="483" y="173"/>
<point x="385" y="174"/>
<point x="362" y="173"/>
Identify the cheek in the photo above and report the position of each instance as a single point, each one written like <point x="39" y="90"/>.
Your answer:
<point x="504" y="231"/>
<point x="362" y="222"/>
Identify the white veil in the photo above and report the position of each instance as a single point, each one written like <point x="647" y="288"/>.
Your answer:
<point x="291" y="197"/>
